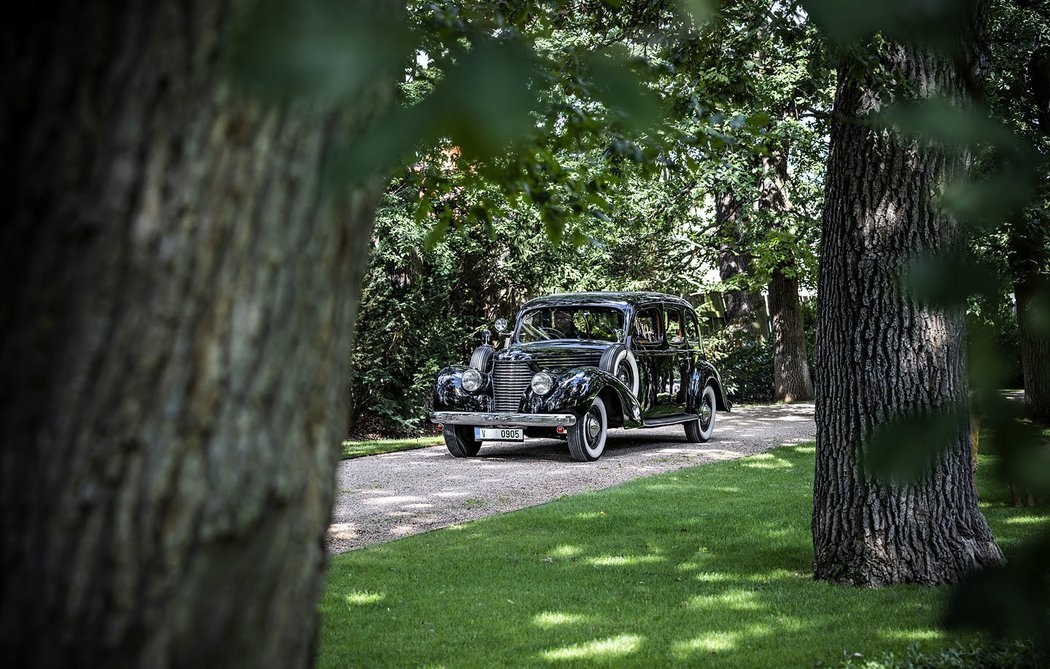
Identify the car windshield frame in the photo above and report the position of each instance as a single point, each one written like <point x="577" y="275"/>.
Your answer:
<point x="520" y="327"/>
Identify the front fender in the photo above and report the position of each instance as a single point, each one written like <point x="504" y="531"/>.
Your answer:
<point x="450" y="396"/>
<point x="575" y="389"/>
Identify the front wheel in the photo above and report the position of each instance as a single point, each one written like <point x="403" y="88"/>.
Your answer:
<point x="700" y="430"/>
<point x="460" y="441"/>
<point x="587" y="437"/>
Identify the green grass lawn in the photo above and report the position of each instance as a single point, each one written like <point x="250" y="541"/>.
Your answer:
<point x="704" y="566"/>
<point x="357" y="449"/>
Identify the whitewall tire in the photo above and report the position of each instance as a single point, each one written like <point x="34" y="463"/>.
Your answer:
<point x="587" y="437"/>
<point x="700" y="430"/>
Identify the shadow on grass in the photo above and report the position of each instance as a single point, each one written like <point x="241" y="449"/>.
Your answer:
<point x="709" y="565"/>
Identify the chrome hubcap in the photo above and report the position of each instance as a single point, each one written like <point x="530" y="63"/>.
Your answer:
<point x="705" y="413"/>
<point x="592" y="426"/>
<point x="624" y="374"/>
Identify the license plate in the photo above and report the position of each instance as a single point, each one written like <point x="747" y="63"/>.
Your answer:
<point x="499" y="434"/>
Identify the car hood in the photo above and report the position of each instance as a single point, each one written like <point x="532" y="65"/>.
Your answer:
<point x="555" y="354"/>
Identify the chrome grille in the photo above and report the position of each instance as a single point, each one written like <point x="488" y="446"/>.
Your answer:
<point x="510" y="378"/>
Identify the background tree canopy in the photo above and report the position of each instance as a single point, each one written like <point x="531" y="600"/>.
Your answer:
<point x="653" y="116"/>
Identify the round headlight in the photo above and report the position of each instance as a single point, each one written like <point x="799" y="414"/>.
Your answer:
<point x="471" y="379"/>
<point x="542" y="383"/>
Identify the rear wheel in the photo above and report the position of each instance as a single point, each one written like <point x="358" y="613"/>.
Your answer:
<point x="587" y="437"/>
<point x="700" y="430"/>
<point x="460" y="441"/>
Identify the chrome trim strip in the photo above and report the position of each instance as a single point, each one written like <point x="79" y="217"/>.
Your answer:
<point x="499" y="419"/>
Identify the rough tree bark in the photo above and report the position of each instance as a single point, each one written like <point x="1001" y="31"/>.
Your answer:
<point x="174" y="339"/>
<point x="791" y="379"/>
<point x="882" y="355"/>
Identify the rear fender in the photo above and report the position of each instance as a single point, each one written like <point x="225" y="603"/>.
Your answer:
<point x="705" y="374"/>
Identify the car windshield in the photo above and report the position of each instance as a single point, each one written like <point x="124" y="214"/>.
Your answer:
<point x="575" y="322"/>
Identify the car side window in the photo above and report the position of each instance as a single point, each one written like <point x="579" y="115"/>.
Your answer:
<point x="692" y="330"/>
<point x="674" y="325"/>
<point x="646" y="327"/>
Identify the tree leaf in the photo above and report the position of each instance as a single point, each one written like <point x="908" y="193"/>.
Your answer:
<point x="320" y="51"/>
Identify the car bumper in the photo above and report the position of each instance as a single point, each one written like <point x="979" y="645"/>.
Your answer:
<point x="496" y="419"/>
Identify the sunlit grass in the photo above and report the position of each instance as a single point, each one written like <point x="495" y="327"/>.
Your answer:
<point x="357" y="449"/>
<point x="705" y="566"/>
<point x="599" y="649"/>
<point x="361" y="598"/>
<point x="565" y="551"/>
<point x="623" y="560"/>
<point x="549" y="619"/>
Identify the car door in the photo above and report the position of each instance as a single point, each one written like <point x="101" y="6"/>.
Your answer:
<point x="693" y="351"/>
<point x="679" y="365"/>
<point x="659" y="363"/>
<point x="646" y="344"/>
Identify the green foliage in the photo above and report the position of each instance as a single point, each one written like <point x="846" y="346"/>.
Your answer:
<point x="619" y="182"/>
<point x="319" y="53"/>
<point x="745" y="363"/>
<point x="936" y="22"/>
<point x="991" y="326"/>
<point x="1010" y="655"/>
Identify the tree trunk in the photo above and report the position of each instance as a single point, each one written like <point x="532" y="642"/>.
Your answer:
<point x="883" y="356"/>
<point x="174" y="345"/>
<point x="1032" y="292"/>
<point x="1030" y="262"/>
<point x="743" y="306"/>
<point x="791" y="380"/>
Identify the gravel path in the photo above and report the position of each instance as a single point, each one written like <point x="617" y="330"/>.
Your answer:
<point x="385" y="497"/>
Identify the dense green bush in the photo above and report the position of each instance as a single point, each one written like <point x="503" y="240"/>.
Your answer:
<point x="745" y="362"/>
<point x="425" y="297"/>
<point x="1011" y="655"/>
<point x="424" y="303"/>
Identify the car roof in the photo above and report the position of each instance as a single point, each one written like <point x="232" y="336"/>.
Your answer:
<point x="606" y="298"/>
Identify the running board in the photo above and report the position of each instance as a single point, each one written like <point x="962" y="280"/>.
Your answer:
<point x="669" y="420"/>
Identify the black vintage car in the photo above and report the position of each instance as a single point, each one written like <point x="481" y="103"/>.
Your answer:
<point x="576" y="364"/>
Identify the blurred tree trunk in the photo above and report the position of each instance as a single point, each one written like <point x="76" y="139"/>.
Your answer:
<point x="791" y="380"/>
<point x="174" y="344"/>
<point x="1030" y="261"/>
<point x="884" y="356"/>
<point x="743" y="306"/>
<point x="1032" y="295"/>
